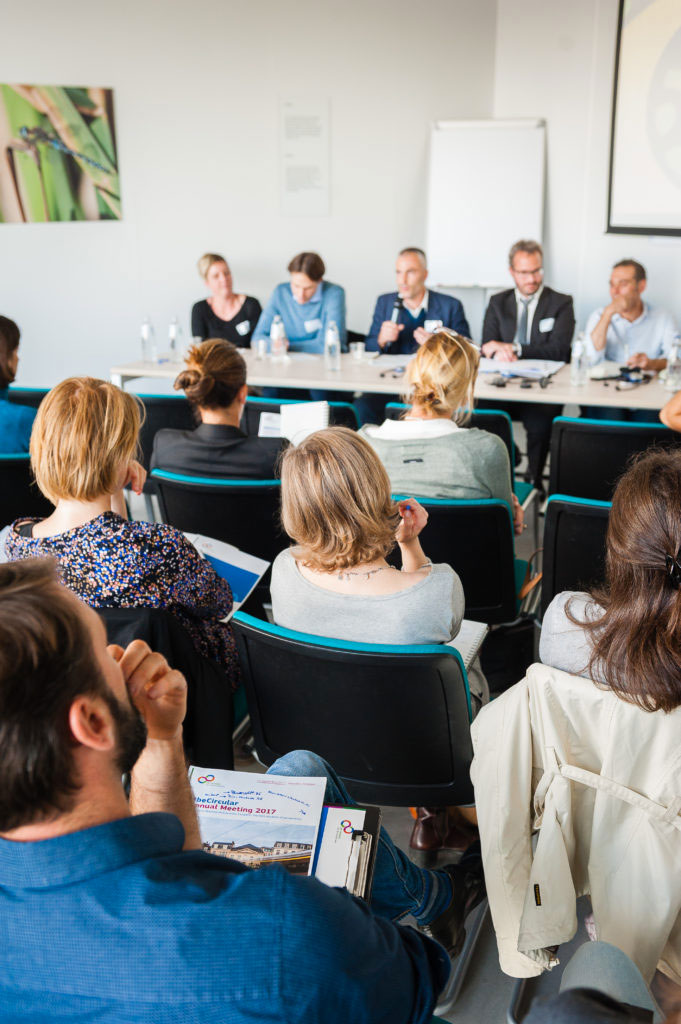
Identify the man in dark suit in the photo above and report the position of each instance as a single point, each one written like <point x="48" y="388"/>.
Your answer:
<point x="530" y="321"/>
<point x="418" y="312"/>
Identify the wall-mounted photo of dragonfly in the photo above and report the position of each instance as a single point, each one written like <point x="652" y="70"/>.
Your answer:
<point x="58" y="150"/>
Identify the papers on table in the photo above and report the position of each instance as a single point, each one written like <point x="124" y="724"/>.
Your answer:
<point x="469" y="641"/>
<point x="241" y="571"/>
<point x="258" y="819"/>
<point x="532" y="369"/>
<point x="391" y="362"/>
<point x="604" y="369"/>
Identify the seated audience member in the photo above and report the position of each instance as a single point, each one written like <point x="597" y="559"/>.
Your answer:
<point x="670" y="414"/>
<point x="156" y="929"/>
<point x="215" y="384"/>
<point x="83" y="449"/>
<point x="428" y="451"/>
<point x="223" y="314"/>
<point x="336" y="582"/>
<point x="407" y="318"/>
<point x="307" y="304"/>
<point x="627" y="633"/>
<point x="628" y="330"/>
<point x="576" y="767"/>
<point x="529" y="321"/>
<point x="15" y="420"/>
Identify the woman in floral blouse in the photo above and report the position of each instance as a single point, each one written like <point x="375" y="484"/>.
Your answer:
<point x="82" y="452"/>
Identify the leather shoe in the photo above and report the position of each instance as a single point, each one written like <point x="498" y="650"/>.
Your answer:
<point x="427" y="831"/>
<point x="468" y="890"/>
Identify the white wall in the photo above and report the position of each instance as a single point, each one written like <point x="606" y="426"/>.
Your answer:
<point x="556" y="60"/>
<point x="196" y="99"/>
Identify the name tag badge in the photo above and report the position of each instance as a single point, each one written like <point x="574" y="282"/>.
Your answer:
<point x="313" y="325"/>
<point x="547" y="324"/>
<point x="432" y="325"/>
<point x="243" y="328"/>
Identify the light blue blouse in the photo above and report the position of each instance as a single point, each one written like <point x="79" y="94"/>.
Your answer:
<point x="305" y="323"/>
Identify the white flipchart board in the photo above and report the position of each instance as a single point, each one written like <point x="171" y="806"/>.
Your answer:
<point x="486" y="190"/>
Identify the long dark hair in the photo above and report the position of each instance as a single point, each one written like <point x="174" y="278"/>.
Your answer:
<point x="636" y="643"/>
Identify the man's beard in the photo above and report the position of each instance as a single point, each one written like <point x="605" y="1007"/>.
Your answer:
<point x="131" y="733"/>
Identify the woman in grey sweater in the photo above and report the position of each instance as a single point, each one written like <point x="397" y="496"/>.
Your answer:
<point x="429" y="451"/>
<point x="336" y="582"/>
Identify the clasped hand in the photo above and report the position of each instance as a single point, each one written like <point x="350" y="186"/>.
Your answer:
<point x="158" y="692"/>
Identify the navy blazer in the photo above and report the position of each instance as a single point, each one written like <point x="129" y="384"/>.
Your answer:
<point x="500" y="324"/>
<point x="440" y="307"/>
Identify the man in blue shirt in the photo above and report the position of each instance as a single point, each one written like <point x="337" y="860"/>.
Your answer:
<point x="628" y="330"/>
<point x="109" y="910"/>
<point x="405" y="319"/>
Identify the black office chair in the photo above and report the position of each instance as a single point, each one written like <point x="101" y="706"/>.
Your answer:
<point x="394" y="721"/>
<point x="588" y="456"/>
<point x="244" y="513"/>
<point x="19" y="494"/>
<point x="26" y="396"/>
<point x="476" y="539"/>
<point x="341" y="414"/>
<point x="574" y="545"/>
<point x="163" y="411"/>
<point x="207" y="729"/>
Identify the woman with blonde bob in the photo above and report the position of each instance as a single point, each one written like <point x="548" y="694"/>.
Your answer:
<point x="336" y="506"/>
<point x="214" y="381"/>
<point x="224" y="314"/>
<point x="83" y="453"/>
<point x="428" y="451"/>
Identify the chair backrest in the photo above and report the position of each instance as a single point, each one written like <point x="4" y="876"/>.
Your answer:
<point x="588" y="456"/>
<point x="393" y="721"/>
<point x="26" y="396"/>
<point x="207" y="728"/>
<point x="240" y="512"/>
<point x="494" y="421"/>
<point x="19" y="494"/>
<point x="574" y="545"/>
<point x="476" y="539"/>
<point x="341" y="414"/>
<point x="163" y="411"/>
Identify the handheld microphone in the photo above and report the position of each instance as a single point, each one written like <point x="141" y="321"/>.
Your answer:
<point x="398" y="304"/>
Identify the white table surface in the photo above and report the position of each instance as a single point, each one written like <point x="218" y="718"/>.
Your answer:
<point x="308" y="371"/>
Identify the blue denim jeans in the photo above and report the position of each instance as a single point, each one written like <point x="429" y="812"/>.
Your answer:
<point x="400" y="886"/>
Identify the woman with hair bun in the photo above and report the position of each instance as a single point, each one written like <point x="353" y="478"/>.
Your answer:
<point x="214" y="382"/>
<point x="428" y="451"/>
<point x="223" y="314"/>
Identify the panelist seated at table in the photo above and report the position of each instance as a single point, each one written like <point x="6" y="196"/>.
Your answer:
<point x="224" y="314"/>
<point x="629" y="330"/>
<point x="307" y="304"/>
<point x="214" y="382"/>
<point x="405" y="319"/>
<point x="529" y="321"/>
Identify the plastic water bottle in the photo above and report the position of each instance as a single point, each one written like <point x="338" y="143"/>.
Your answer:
<point x="579" y="370"/>
<point x="673" y="374"/>
<point x="174" y="332"/>
<point x="332" y="348"/>
<point x="278" y="339"/>
<point x="148" y="339"/>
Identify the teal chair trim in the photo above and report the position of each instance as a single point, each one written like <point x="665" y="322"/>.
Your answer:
<point x="15" y="457"/>
<point x="611" y="423"/>
<point x="457" y="502"/>
<point x="164" y="474"/>
<point x="349" y="645"/>
<point x="521" y="490"/>
<point x="591" y="502"/>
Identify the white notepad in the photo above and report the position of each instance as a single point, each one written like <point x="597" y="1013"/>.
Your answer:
<point x="469" y="640"/>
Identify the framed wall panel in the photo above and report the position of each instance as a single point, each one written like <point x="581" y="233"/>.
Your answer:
<point x="644" y="194"/>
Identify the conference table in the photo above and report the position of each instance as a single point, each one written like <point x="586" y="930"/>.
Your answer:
<point x="382" y="376"/>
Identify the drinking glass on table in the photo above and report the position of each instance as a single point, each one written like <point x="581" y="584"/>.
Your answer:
<point x="357" y="349"/>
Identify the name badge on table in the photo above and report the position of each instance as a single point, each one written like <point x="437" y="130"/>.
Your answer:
<point x="313" y="325"/>
<point x="547" y="324"/>
<point x="432" y="325"/>
<point x="243" y="328"/>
